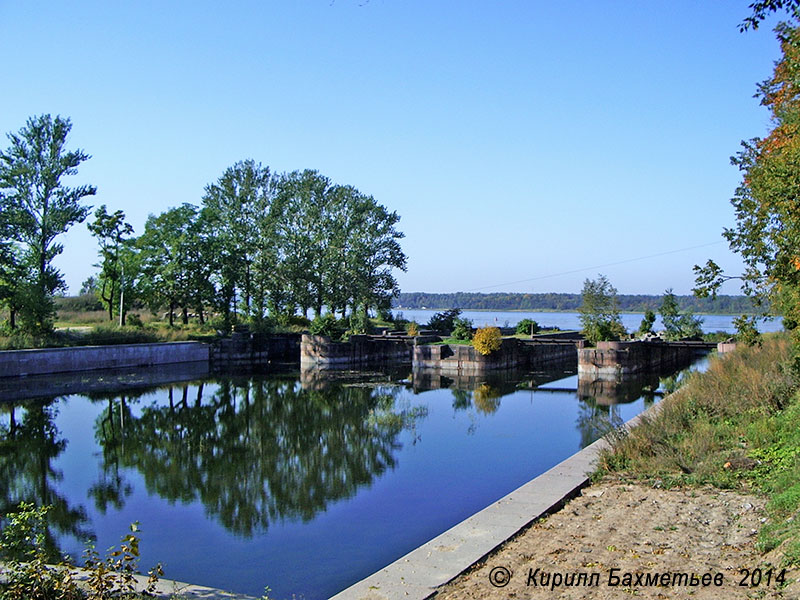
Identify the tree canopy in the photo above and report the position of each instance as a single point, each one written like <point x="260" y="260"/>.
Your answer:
<point x="600" y="311"/>
<point x="767" y="230"/>
<point x="37" y="207"/>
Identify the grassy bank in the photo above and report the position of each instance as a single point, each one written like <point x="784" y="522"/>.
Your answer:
<point x="734" y="426"/>
<point x="104" y="335"/>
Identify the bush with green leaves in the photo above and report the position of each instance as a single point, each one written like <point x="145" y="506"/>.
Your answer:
<point x="359" y="322"/>
<point x="462" y="329"/>
<point x="677" y="324"/>
<point x="527" y="327"/>
<point x="444" y="321"/>
<point x="746" y="331"/>
<point x="646" y="326"/>
<point x="33" y="573"/>
<point x="326" y="325"/>
<point x="29" y="569"/>
<point x="600" y="311"/>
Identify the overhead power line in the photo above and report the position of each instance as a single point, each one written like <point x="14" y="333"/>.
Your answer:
<point x="611" y="264"/>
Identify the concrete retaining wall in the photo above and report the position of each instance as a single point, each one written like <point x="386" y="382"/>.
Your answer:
<point x="513" y="353"/>
<point x="616" y="359"/>
<point x="359" y="351"/>
<point x="245" y="350"/>
<point x="16" y="363"/>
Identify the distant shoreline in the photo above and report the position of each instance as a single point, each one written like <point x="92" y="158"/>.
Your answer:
<point x="552" y="310"/>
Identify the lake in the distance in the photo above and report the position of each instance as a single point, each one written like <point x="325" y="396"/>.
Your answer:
<point x="571" y="320"/>
<point x="289" y="482"/>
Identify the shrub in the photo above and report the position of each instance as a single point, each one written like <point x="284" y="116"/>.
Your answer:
<point x="359" y="321"/>
<point x="444" y="321"/>
<point x="326" y="325"/>
<point x="527" y="327"/>
<point x="412" y="328"/>
<point x="32" y="575"/>
<point x="134" y="320"/>
<point x="646" y="326"/>
<point x="462" y="329"/>
<point x="600" y="311"/>
<point x="298" y="320"/>
<point x="487" y="340"/>
<point x="746" y="331"/>
<point x="28" y="575"/>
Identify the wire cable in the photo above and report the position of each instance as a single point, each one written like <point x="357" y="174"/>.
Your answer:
<point x="611" y="264"/>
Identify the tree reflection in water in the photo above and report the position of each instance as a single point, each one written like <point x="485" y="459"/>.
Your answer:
<point x="29" y="444"/>
<point x="255" y="450"/>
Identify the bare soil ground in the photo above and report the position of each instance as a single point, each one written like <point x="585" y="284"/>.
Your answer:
<point x="638" y="530"/>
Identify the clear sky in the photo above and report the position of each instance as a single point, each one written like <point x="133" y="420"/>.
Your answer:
<point x="526" y="144"/>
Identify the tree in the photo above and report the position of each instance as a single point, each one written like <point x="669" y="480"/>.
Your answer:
<point x="646" y="325"/>
<point x="761" y="8"/>
<point x="678" y="324"/>
<point x="174" y="262"/>
<point x="767" y="226"/>
<point x="109" y="231"/>
<point x="238" y="209"/>
<point x="444" y="321"/>
<point x="40" y="208"/>
<point x="599" y="311"/>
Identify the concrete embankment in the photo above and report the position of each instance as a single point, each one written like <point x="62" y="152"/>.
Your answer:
<point x="197" y="359"/>
<point x="618" y="359"/>
<point x="17" y="363"/>
<point x="513" y="354"/>
<point x="358" y="352"/>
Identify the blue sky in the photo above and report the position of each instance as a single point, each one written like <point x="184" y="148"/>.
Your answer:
<point x="526" y="145"/>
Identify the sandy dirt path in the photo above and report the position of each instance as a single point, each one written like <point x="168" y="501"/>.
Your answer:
<point x="638" y="530"/>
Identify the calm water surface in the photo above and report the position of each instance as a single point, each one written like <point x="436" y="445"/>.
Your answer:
<point x="299" y="484"/>
<point x="571" y="320"/>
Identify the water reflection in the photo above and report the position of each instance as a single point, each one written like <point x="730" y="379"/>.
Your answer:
<point x="29" y="444"/>
<point x="254" y="450"/>
<point x="263" y="455"/>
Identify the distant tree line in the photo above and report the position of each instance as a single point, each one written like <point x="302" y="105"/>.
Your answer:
<point x="567" y="302"/>
<point x="261" y="246"/>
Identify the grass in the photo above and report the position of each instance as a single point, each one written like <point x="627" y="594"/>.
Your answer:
<point x="104" y="335"/>
<point x="734" y="426"/>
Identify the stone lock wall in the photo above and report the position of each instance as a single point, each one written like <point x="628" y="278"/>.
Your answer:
<point x="616" y="359"/>
<point x="360" y="351"/>
<point x="245" y="350"/>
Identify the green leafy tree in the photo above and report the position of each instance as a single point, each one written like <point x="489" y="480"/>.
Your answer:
<point x="110" y="230"/>
<point x="39" y="208"/>
<point x="761" y="8"/>
<point x="174" y="262"/>
<point x="678" y="324"/>
<point x="462" y="329"/>
<point x="527" y="327"/>
<point x="238" y="209"/>
<point x="599" y="311"/>
<point x="444" y="321"/>
<point x="646" y="326"/>
<point x="747" y="331"/>
<point x="767" y="225"/>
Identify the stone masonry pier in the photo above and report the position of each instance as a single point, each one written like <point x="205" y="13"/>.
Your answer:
<point x="613" y="360"/>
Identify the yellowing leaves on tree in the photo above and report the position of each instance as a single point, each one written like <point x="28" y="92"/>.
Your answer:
<point x="487" y="340"/>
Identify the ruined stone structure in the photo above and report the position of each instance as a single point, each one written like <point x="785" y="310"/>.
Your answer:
<point x="613" y="360"/>
<point x="358" y="352"/>
<point x="245" y="350"/>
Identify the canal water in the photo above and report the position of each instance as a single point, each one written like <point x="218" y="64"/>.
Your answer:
<point x="302" y="483"/>
<point x="571" y="320"/>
